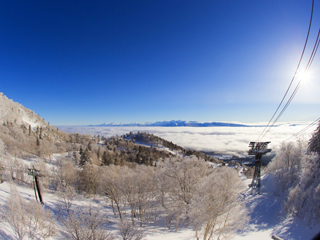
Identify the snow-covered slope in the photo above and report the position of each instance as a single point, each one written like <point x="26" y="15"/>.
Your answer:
<point x="13" y="112"/>
<point x="266" y="216"/>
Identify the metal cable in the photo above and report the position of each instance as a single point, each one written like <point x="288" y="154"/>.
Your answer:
<point x="305" y="44"/>
<point x="311" y="58"/>
<point x="304" y="129"/>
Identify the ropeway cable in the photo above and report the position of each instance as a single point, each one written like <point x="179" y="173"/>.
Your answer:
<point x="311" y="58"/>
<point x="304" y="130"/>
<point x="304" y="48"/>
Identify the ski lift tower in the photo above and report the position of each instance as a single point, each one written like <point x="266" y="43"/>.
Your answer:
<point x="258" y="149"/>
<point x="36" y="173"/>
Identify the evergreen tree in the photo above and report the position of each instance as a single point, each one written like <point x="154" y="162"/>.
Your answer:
<point x="80" y="150"/>
<point x="85" y="157"/>
<point x="38" y="142"/>
<point x="98" y="153"/>
<point x="89" y="146"/>
<point x="105" y="158"/>
<point x="40" y="134"/>
<point x="314" y="142"/>
<point x="75" y="157"/>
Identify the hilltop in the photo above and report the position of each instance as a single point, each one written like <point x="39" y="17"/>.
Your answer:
<point x="13" y="112"/>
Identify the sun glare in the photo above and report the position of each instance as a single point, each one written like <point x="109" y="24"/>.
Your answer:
<point x="303" y="75"/>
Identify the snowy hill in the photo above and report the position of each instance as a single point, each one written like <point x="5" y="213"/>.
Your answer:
<point x="13" y="112"/>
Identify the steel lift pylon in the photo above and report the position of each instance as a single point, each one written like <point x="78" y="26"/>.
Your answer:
<point x="258" y="149"/>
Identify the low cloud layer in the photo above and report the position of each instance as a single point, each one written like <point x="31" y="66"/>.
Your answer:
<point x="218" y="139"/>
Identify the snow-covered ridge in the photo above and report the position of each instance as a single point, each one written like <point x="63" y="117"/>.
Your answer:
<point x="175" y="123"/>
<point x="13" y="112"/>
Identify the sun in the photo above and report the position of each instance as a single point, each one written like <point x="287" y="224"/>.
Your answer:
<point x="303" y="75"/>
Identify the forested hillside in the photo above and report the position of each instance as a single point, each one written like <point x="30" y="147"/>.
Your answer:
<point x="144" y="179"/>
<point x="135" y="185"/>
<point x="23" y="132"/>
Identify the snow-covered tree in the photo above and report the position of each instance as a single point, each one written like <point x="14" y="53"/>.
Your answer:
<point x="183" y="174"/>
<point x="129" y="232"/>
<point x="2" y="151"/>
<point x="145" y="193"/>
<point x="110" y="187"/>
<point x="314" y="143"/>
<point x="297" y="176"/>
<point x="2" y="148"/>
<point x="304" y="199"/>
<point x="286" y="166"/>
<point x="217" y="209"/>
<point x="82" y="222"/>
<point x="28" y="218"/>
<point x="89" y="178"/>
<point x="65" y="174"/>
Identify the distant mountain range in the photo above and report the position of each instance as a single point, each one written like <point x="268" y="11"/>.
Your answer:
<point x="174" y="123"/>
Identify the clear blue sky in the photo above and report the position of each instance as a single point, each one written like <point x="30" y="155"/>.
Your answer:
<point x="89" y="62"/>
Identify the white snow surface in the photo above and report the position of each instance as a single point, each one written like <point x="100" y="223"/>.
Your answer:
<point x="266" y="215"/>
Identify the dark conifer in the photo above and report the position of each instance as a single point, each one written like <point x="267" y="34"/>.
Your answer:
<point x="75" y="156"/>
<point x="89" y="146"/>
<point x="314" y="142"/>
<point x="40" y="134"/>
<point x="80" y="150"/>
<point x="98" y="153"/>
<point x="104" y="158"/>
<point x="85" y="157"/>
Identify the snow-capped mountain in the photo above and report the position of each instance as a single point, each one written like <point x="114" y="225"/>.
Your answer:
<point x="13" y="112"/>
<point x="175" y="123"/>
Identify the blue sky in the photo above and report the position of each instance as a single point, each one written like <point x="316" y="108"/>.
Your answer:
<point x="89" y="62"/>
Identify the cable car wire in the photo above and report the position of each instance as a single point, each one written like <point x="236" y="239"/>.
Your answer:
<point x="302" y="131"/>
<point x="311" y="58"/>
<point x="304" y="48"/>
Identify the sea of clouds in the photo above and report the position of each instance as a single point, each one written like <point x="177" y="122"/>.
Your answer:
<point x="217" y="139"/>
